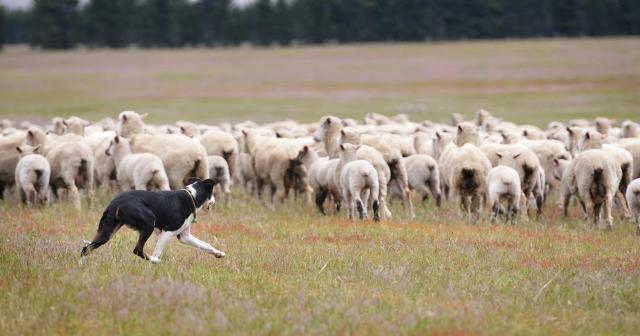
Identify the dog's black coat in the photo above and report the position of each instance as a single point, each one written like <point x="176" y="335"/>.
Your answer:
<point x="145" y="211"/>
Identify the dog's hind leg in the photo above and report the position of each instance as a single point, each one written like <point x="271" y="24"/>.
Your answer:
<point x="187" y="238"/>
<point x="106" y="228"/>
<point x="163" y="238"/>
<point x="145" y="233"/>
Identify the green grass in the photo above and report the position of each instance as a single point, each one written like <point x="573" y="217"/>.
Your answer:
<point x="289" y="270"/>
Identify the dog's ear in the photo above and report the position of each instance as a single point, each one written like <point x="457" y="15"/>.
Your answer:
<point x="192" y="180"/>
<point x="210" y="183"/>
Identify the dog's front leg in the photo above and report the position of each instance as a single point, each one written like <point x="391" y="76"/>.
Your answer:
<point x="163" y="238"/>
<point x="187" y="238"/>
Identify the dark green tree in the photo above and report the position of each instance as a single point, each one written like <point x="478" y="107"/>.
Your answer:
<point x="53" y="24"/>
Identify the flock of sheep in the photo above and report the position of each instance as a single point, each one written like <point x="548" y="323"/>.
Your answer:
<point x="363" y="165"/>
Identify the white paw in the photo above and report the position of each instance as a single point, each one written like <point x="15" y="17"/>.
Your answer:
<point x="219" y="254"/>
<point x="154" y="259"/>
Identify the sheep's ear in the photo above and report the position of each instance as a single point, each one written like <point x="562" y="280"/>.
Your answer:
<point x="305" y="149"/>
<point x="328" y="121"/>
<point x="587" y="135"/>
<point x="556" y="162"/>
<point x="516" y="156"/>
<point x="459" y="128"/>
<point x="144" y="115"/>
<point x="244" y="132"/>
<point x="499" y="155"/>
<point x="123" y="117"/>
<point x="438" y="135"/>
<point x="342" y="132"/>
<point x="36" y="149"/>
<point x="183" y="130"/>
<point x="19" y="149"/>
<point x="569" y="130"/>
<point x="116" y="139"/>
<point x="341" y="147"/>
<point x="358" y="147"/>
<point x="525" y="133"/>
<point x="64" y="122"/>
<point x="30" y="134"/>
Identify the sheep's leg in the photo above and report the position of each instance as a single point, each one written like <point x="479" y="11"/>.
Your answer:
<point x="360" y="208"/>
<point x="42" y="195"/>
<point x="435" y="192"/>
<point x="364" y="196"/>
<point x="494" y="211"/>
<point x="608" y="204"/>
<point x="2" y="184"/>
<point x="281" y="193"/>
<point x="30" y="190"/>
<point x="623" y="203"/>
<point x="597" y="210"/>
<point x="566" y="200"/>
<point x="383" y="198"/>
<point x="406" y="195"/>
<point x="23" y="195"/>
<point x="349" y="200"/>
<point x="638" y="224"/>
<point x="476" y="200"/>
<point x="89" y="185"/>
<point x="321" y="196"/>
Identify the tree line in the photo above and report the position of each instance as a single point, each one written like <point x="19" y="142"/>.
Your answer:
<point x="60" y="24"/>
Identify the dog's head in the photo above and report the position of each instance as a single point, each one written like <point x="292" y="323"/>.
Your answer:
<point x="202" y="192"/>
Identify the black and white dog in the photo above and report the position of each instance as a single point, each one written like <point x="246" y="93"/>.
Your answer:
<point x="169" y="213"/>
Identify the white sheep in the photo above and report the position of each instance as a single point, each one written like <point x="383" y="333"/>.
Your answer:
<point x="594" y="140"/>
<point x="142" y="171"/>
<point x="32" y="176"/>
<point x="71" y="160"/>
<point x="593" y="177"/>
<point x="130" y="123"/>
<point x="503" y="185"/>
<point x="9" y="158"/>
<point x="633" y="199"/>
<point x="221" y="144"/>
<point x="424" y="177"/>
<point x="465" y="172"/>
<point x="219" y="170"/>
<point x="358" y="181"/>
<point x="630" y="129"/>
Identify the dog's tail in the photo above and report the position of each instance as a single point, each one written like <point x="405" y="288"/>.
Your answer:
<point x="106" y="227"/>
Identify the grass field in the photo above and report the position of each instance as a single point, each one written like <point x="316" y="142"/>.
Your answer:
<point x="290" y="271"/>
<point x="525" y="81"/>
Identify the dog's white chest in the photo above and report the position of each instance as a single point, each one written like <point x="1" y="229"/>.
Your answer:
<point x="185" y="225"/>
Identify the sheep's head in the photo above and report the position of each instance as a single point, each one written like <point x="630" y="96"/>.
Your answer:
<point x="350" y="135"/>
<point x="327" y="125"/>
<point x="117" y="145"/>
<point x="630" y="129"/>
<point x="35" y="137"/>
<point x="560" y="166"/>
<point x="466" y="133"/>
<point x="440" y="142"/>
<point x="509" y="137"/>
<point x="348" y="152"/>
<point x="602" y="125"/>
<point x="590" y="140"/>
<point x="58" y="126"/>
<point x="188" y="129"/>
<point x="130" y="123"/>
<point x="76" y="125"/>
<point x="507" y="158"/>
<point x="25" y="150"/>
<point x="5" y="123"/>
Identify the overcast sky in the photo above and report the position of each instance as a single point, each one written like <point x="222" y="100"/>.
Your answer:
<point x="21" y="4"/>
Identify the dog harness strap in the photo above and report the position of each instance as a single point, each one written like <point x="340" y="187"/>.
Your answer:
<point x="193" y="201"/>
